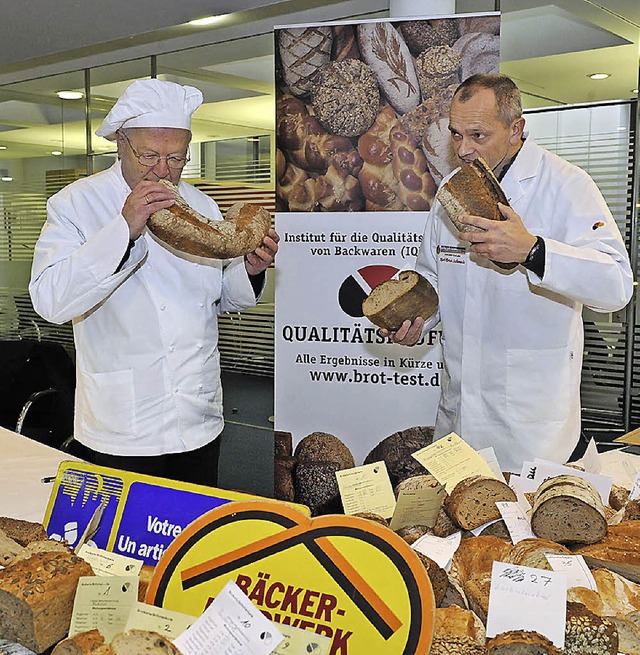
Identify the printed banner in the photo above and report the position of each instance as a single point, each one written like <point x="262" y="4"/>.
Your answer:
<point x="127" y="513"/>
<point x="362" y="128"/>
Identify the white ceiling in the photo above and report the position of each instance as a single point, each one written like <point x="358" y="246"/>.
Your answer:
<point x="548" y="48"/>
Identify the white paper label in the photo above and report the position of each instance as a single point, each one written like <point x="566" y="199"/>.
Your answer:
<point x="635" y="489"/>
<point x="157" y="619"/>
<point x="231" y="625"/>
<point x="439" y="549"/>
<point x="516" y="520"/>
<point x="104" y="562"/>
<point x="524" y="598"/>
<point x="575" y="569"/>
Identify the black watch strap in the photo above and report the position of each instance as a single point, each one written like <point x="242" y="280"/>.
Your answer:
<point x="535" y="260"/>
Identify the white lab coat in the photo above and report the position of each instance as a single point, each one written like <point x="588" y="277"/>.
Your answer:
<point x="512" y="342"/>
<point x="146" y="334"/>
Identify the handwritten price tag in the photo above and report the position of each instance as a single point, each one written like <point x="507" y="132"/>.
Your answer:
<point x="524" y="598"/>
<point x="575" y="570"/>
<point x="635" y="489"/>
<point x="516" y="521"/>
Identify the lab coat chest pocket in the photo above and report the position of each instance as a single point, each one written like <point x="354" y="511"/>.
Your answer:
<point x="109" y="401"/>
<point x="528" y="372"/>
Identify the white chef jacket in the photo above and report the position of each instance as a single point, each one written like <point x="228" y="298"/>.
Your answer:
<point x="146" y="331"/>
<point x="512" y="342"/>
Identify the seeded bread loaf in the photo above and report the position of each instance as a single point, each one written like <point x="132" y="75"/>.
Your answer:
<point x="36" y="598"/>
<point x="472" y="502"/>
<point x="568" y="510"/>
<point x="452" y="645"/>
<point x="83" y="643"/>
<point x="138" y="642"/>
<point x="521" y="642"/>
<point x="324" y="447"/>
<point x="395" y="301"/>
<point x="44" y="546"/>
<point x="586" y="633"/>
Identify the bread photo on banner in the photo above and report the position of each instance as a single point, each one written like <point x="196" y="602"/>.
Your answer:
<point x="362" y="110"/>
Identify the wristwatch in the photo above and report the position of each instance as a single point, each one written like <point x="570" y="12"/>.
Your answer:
<point x="535" y="260"/>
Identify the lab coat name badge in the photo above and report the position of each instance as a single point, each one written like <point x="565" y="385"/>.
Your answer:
<point x="452" y="254"/>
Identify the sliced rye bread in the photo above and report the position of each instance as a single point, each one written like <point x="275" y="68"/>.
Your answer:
<point x="393" y="302"/>
<point x="568" y="510"/>
<point x="22" y="531"/>
<point x="138" y="642"/>
<point x="472" y="502"/>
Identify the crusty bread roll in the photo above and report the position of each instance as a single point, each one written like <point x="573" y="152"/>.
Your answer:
<point x="394" y="301"/>
<point x="188" y="231"/>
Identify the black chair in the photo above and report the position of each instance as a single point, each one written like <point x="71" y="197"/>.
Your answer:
<point x="37" y="384"/>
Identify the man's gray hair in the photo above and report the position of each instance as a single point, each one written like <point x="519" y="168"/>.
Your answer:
<point x="508" y="98"/>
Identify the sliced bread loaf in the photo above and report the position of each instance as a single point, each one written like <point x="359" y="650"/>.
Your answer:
<point x="472" y="502"/>
<point x="395" y="301"/>
<point x="36" y="598"/>
<point x="568" y="510"/>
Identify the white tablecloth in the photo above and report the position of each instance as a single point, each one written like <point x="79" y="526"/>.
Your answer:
<point x="23" y="465"/>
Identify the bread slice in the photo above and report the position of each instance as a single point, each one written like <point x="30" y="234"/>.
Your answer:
<point x="138" y="642"/>
<point x="472" y="502"/>
<point x="521" y="642"/>
<point x="568" y="510"/>
<point x="392" y="302"/>
<point x="586" y="633"/>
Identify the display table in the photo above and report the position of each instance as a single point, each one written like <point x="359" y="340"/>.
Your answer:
<point x="24" y="463"/>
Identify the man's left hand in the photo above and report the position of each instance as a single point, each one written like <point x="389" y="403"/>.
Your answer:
<point x="262" y="257"/>
<point x="501" y="241"/>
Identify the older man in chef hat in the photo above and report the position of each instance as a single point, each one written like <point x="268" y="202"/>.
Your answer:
<point x="148" y="395"/>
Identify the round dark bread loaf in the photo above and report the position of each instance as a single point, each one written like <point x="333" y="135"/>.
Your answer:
<point x="395" y="450"/>
<point x="395" y="301"/>
<point x="188" y="231"/>
<point x="521" y="642"/>
<point x="324" y="447"/>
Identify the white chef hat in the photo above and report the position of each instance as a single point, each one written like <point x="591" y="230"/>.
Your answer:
<point x="151" y="103"/>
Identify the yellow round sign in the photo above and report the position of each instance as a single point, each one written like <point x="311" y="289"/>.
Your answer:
<point x="343" y="577"/>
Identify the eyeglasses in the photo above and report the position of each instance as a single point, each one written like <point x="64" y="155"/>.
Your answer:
<point x="153" y="160"/>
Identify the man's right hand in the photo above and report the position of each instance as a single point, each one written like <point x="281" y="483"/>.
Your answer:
<point x="408" y="334"/>
<point x="145" y="198"/>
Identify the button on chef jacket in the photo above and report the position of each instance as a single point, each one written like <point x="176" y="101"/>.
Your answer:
<point x="512" y="342"/>
<point x="146" y="332"/>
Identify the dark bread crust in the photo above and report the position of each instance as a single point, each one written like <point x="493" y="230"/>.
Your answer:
<point x="474" y="190"/>
<point x="188" y="231"/>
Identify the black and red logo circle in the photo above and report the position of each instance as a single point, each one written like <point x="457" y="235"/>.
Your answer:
<point x="358" y="286"/>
